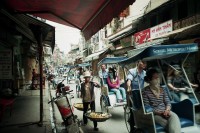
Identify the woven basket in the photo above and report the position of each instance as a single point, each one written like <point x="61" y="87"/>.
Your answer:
<point x="98" y="119"/>
<point x="78" y="107"/>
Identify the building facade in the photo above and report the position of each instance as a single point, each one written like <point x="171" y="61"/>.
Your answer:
<point x="19" y="49"/>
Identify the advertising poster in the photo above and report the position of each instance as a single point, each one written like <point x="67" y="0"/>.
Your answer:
<point x="142" y="36"/>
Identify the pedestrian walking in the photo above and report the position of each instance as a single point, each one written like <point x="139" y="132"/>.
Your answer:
<point x="88" y="96"/>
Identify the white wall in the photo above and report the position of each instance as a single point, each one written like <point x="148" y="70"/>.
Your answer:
<point x="136" y="10"/>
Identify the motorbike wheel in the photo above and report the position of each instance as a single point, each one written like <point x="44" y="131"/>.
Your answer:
<point x="68" y="121"/>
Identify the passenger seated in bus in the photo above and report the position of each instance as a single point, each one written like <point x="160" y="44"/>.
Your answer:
<point x="114" y="85"/>
<point x="178" y="85"/>
<point x="156" y="98"/>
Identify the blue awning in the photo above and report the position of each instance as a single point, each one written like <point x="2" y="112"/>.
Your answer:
<point x="83" y="65"/>
<point x="95" y="56"/>
<point x="161" y="52"/>
<point x="112" y="60"/>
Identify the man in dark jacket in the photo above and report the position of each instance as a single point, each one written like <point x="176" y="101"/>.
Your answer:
<point x="88" y="97"/>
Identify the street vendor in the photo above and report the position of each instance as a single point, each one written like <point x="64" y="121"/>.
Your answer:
<point x="88" y="96"/>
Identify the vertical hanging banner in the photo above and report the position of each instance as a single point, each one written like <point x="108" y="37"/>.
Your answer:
<point x="5" y="64"/>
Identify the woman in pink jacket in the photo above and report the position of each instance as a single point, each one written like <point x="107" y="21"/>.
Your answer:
<point x="114" y="85"/>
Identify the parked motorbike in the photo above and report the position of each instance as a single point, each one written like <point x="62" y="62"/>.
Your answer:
<point x="61" y="89"/>
<point x="63" y="101"/>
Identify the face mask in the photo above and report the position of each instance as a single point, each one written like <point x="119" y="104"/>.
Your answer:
<point x="111" y="75"/>
<point x="155" y="82"/>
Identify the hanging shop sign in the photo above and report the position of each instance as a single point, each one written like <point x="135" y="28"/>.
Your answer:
<point x="5" y="64"/>
<point x="142" y="36"/>
<point x="149" y="34"/>
<point x="161" y="29"/>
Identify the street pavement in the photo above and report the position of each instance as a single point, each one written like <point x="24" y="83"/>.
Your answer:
<point x="26" y="114"/>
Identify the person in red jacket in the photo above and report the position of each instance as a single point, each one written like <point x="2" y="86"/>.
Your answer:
<point x="114" y="85"/>
<point x="34" y="74"/>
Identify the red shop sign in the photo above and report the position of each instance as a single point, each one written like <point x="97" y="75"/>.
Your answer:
<point x="142" y="36"/>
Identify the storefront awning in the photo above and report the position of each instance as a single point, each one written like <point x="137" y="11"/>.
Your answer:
<point x="123" y="35"/>
<point x="85" y="64"/>
<point x="94" y="56"/>
<point x="87" y="15"/>
<point x="48" y="30"/>
<point x="23" y="22"/>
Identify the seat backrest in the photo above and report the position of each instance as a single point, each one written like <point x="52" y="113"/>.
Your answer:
<point x="184" y="109"/>
<point x="166" y="89"/>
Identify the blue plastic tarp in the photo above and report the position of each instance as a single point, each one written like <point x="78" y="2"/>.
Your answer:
<point x="83" y="65"/>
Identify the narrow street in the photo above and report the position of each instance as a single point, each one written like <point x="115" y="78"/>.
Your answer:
<point x="114" y="124"/>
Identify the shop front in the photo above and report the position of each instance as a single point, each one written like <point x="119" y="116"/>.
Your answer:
<point x="169" y="33"/>
<point x="6" y="72"/>
<point x="7" y="42"/>
<point x="18" y="49"/>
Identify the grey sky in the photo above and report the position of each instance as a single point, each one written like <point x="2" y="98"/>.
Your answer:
<point x="65" y="36"/>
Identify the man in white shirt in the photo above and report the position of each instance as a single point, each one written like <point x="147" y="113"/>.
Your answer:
<point x="103" y="74"/>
